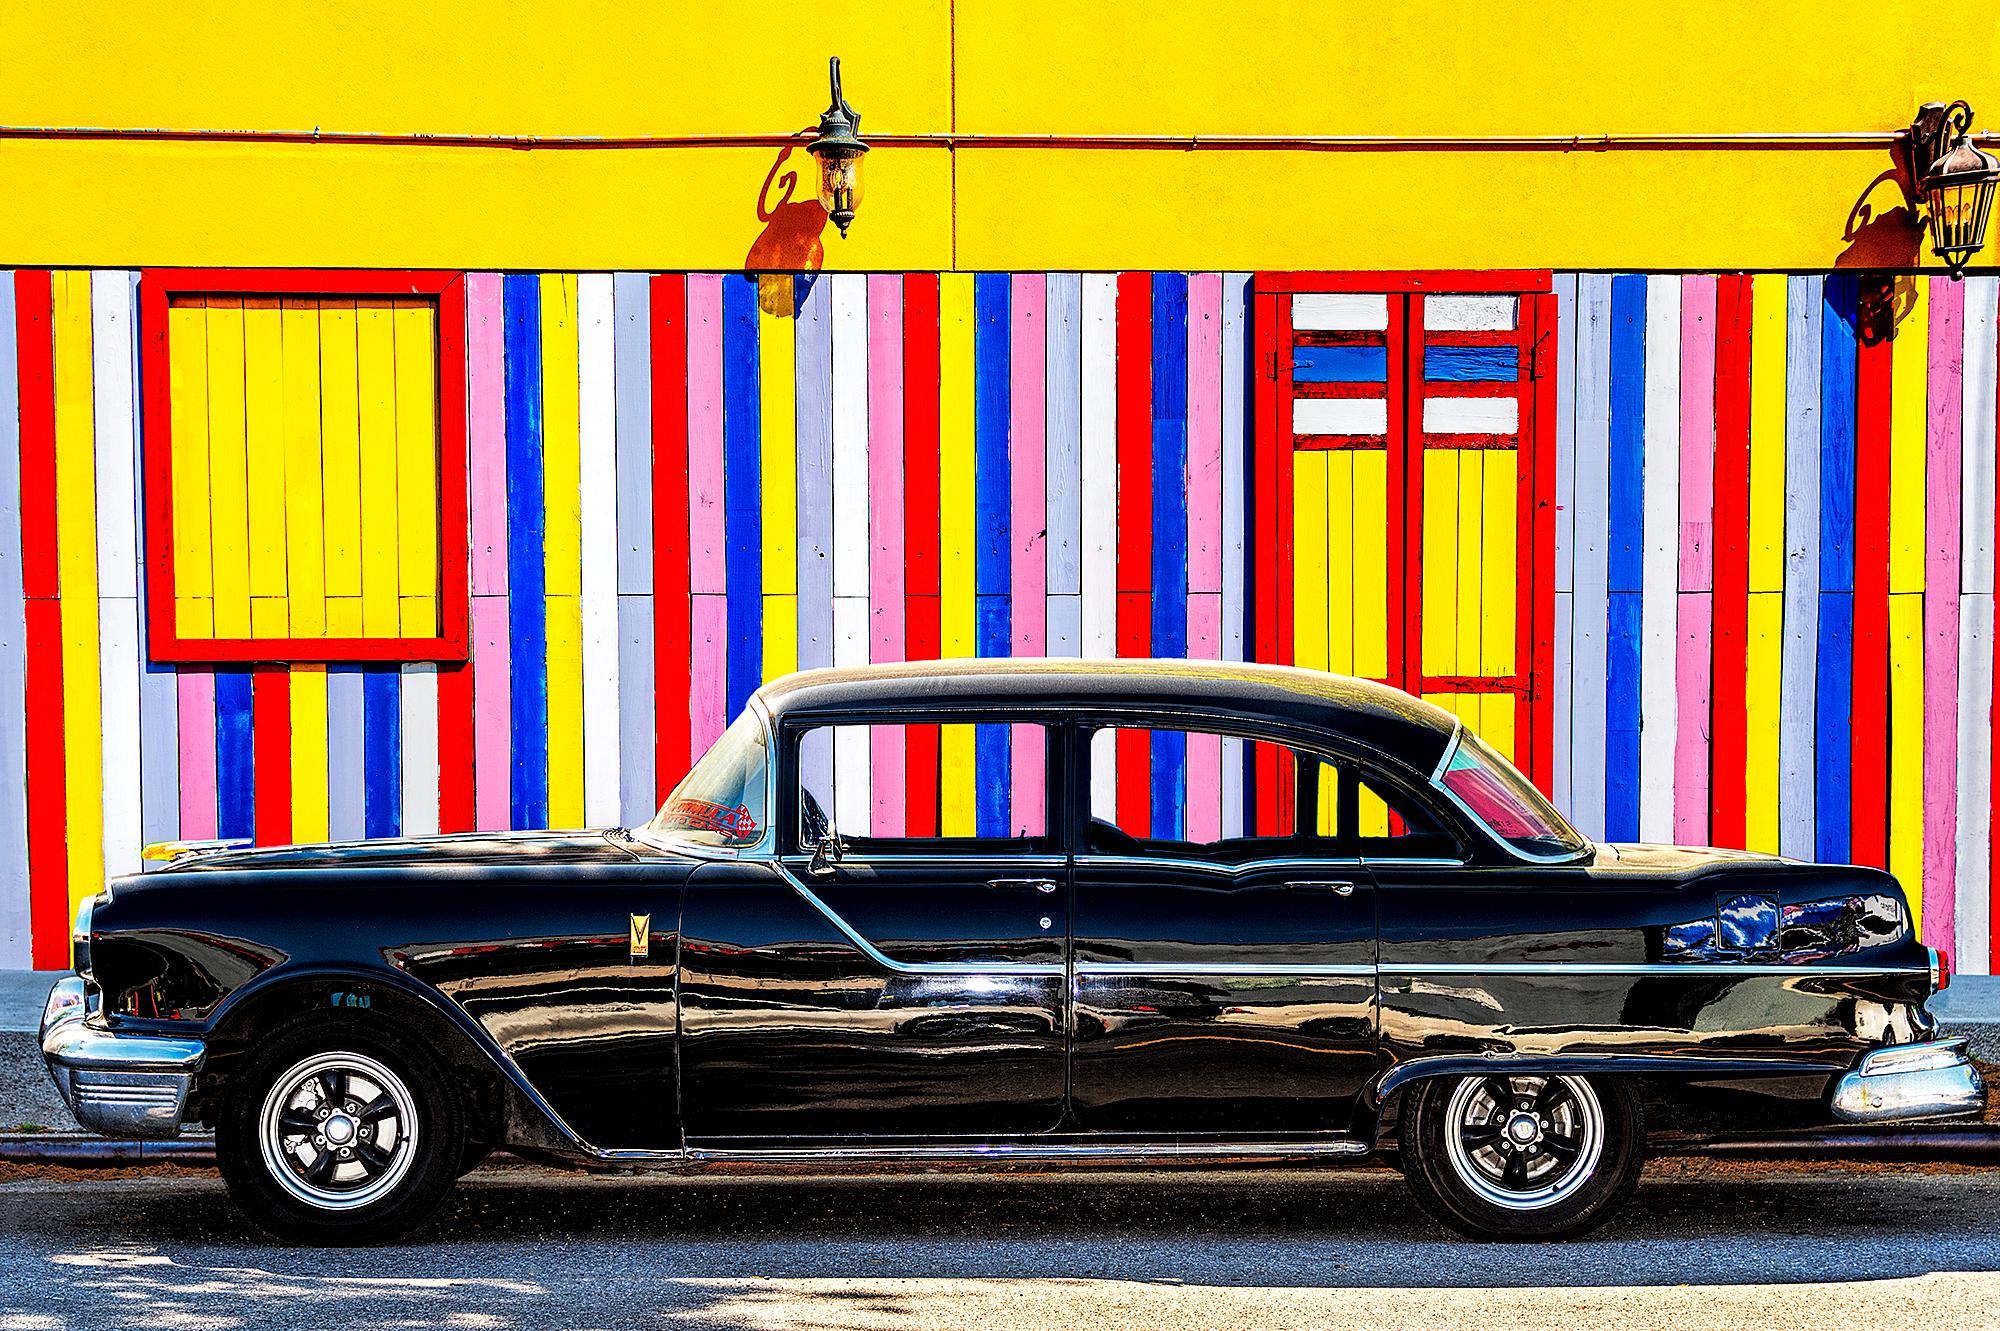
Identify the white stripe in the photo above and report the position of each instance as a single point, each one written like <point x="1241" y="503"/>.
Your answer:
<point x="1468" y="415"/>
<point x="1104" y="776"/>
<point x="1973" y="922"/>
<point x="1339" y="311"/>
<point x="853" y="800"/>
<point x="420" y="750"/>
<point x="850" y="441"/>
<point x="1340" y="415"/>
<point x="1100" y="465"/>
<point x="1466" y="313"/>
<point x="1982" y="325"/>
<point x="111" y="298"/>
<point x="1659" y="601"/>
<point x="1561" y="685"/>
<point x="598" y="505"/>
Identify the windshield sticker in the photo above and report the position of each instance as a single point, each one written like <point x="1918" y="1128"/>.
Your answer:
<point x="708" y="816"/>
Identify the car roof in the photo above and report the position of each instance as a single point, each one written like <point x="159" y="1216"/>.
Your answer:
<point x="1373" y="715"/>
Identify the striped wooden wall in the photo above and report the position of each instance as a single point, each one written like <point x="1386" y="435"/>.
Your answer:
<point x="681" y="485"/>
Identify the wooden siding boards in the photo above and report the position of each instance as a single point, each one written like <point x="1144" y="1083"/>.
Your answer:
<point x="1659" y="627"/>
<point x="1980" y="404"/>
<point x="1236" y="388"/>
<point x="1624" y="553"/>
<point x="16" y="920"/>
<point x="632" y="389"/>
<point x="1834" y="658"/>
<point x="1943" y="480"/>
<point x="1804" y="336"/>
<point x="1589" y="601"/>
<point x="1562" y="671"/>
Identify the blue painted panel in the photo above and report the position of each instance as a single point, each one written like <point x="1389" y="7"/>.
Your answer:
<point x="1625" y="536"/>
<point x="1460" y="364"/>
<point x="1837" y="407"/>
<point x="1621" y="716"/>
<point x="1170" y="532"/>
<point x="993" y="552"/>
<point x="382" y="750"/>
<point x="235" y="755"/>
<point x="1833" y="728"/>
<point x="527" y="609"/>
<point x="742" y="492"/>
<point x="1337" y="365"/>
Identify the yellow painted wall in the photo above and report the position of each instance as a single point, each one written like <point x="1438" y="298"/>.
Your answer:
<point x="1178" y="67"/>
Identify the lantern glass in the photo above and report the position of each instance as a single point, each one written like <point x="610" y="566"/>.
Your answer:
<point x="840" y="186"/>
<point x="1959" y="210"/>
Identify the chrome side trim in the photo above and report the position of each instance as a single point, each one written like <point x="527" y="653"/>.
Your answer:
<point x="1312" y="863"/>
<point x="881" y="958"/>
<point x="993" y="1155"/>
<point x="1934" y="1079"/>
<point x="1637" y="968"/>
<point x="1217" y="968"/>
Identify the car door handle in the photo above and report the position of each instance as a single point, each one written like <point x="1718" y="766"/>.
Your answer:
<point x="1023" y="884"/>
<point x="1339" y="887"/>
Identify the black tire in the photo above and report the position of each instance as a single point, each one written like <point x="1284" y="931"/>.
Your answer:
<point x="1571" y="1174"/>
<point x="370" y="1195"/>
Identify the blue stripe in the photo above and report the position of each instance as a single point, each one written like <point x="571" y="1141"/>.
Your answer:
<point x="1170" y="533"/>
<point x="527" y="611"/>
<point x="993" y="500"/>
<point x="382" y="750"/>
<point x="1338" y="365"/>
<point x="1625" y="513"/>
<point x="742" y="491"/>
<point x="1833" y="754"/>
<point x="235" y="756"/>
<point x="1459" y="364"/>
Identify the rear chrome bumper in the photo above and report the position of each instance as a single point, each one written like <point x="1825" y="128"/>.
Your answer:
<point x="1934" y="1079"/>
<point x="120" y="1084"/>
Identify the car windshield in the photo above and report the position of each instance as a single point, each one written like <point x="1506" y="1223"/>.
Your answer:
<point x="720" y="802"/>
<point x="1495" y="793"/>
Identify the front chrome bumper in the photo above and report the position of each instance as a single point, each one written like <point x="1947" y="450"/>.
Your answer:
<point x="121" y="1084"/>
<point x="1901" y="1082"/>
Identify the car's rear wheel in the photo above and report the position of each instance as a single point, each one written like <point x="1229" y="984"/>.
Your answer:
<point x="1522" y="1157"/>
<point x="337" y="1131"/>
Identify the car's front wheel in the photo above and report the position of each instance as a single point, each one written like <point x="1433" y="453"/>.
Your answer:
<point x="1527" y="1157"/>
<point x="338" y="1131"/>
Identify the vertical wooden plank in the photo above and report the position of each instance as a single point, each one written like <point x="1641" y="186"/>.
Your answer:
<point x="1467" y="530"/>
<point x="1367" y="540"/>
<point x="957" y="498"/>
<point x="1311" y="509"/>
<point x="1625" y="524"/>
<point x="308" y="758"/>
<point x="1942" y="540"/>
<point x="115" y="522"/>
<point x="1589" y="606"/>
<point x="813" y="389"/>
<point x="632" y="386"/>
<point x="1765" y="555"/>
<point x="1063" y="431"/>
<point x="1805" y="307"/>
<point x="1833" y="670"/>
<point x="1907" y="428"/>
<point x="1337" y="615"/>
<point x="777" y="328"/>
<point x="1562" y="682"/>
<point x="673" y="628"/>
<point x="527" y="613"/>
<point x="1133" y="395"/>
<point x="492" y="714"/>
<point x="1734" y="294"/>
<point x="195" y="696"/>
<point x="1979" y="417"/>
<point x="562" y="546"/>
<point x="486" y="424"/>
<point x="382" y="751"/>
<point x="921" y="533"/>
<point x="707" y="528"/>
<point x="1868" y="789"/>
<point x="271" y="753"/>
<point x="1236" y="392"/>
<point x="993" y="536"/>
<point x="853" y="808"/>
<point x="304" y="469"/>
<point x="742" y="463"/>
<point x="419" y="730"/>
<point x="229" y="519"/>
<point x="76" y="555"/>
<point x="1204" y="433"/>
<point x="599" y="511"/>
<point x="340" y="454"/>
<point x="235" y="758"/>
<point x="16" y="914"/>
<point x="848" y="311"/>
<point x="264" y="465"/>
<point x="1694" y="660"/>
<point x="1660" y="596"/>
<point x="347" y="753"/>
<point x="381" y="564"/>
<point x="1098" y="380"/>
<point x="1170" y="530"/>
<point x="416" y="469"/>
<point x="886" y="587"/>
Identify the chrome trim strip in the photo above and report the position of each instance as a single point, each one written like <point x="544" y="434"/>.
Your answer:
<point x="1218" y="968"/>
<point x="880" y="958"/>
<point x="1000" y="1153"/>
<point x="1310" y="863"/>
<point x="1636" y="968"/>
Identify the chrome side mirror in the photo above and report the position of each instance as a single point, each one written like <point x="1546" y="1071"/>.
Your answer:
<point x="826" y="853"/>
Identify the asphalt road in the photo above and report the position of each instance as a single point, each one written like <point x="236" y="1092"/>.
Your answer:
<point x="520" y="1249"/>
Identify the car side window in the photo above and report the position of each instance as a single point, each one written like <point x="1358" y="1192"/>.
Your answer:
<point x="1362" y="820"/>
<point x="1170" y="793"/>
<point x="910" y="787"/>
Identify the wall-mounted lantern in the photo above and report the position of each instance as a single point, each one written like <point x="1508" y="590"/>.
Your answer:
<point x="1956" y="179"/>
<point x="839" y="148"/>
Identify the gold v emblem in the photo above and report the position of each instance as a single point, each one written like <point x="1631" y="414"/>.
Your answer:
<point x="642" y="935"/>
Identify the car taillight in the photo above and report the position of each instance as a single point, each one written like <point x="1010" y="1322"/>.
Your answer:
<point x="1940" y="969"/>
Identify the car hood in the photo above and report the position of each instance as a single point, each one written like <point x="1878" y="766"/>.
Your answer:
<point x="459" y="850"/>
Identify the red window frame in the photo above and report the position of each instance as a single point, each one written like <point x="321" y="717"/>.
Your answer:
<point x="1271" y="583"/>
<point x="157" y="288"/>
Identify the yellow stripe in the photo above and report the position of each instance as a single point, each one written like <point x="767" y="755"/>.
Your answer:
<point x="1339" y="547"/>
<point x="381" y="614"/>
<point x="1907" y="409"/>
<point x="305" y="536"/>
<point x="562" y="464"/>
<point x="1309" y="563"/>
<point x="264" y="465"/>
<point x="187" y="377"/>
<point x="1763" y="654"/>
<point x="1371" y="564"/>
<point x="781" y="635"/>
<point x="1499" y="562"/>
<point x="1498" y="726"/>
<point x="309" y="753"/>
<point x="778" y="412"/>
<point x="229" y="518"/>
<point x="340" y="447"/>
<point x="1906" y="749"/>
<point x="1440" y="551"/>
<point x="416" y="471"/>
<point x="1471" y="512"/>
<point x="76" y="565"/>
<point x="956" y="610"/>
<point x="1765" y="647"/>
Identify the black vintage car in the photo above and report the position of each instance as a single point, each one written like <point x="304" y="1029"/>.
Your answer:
<point x="987" y="913"/>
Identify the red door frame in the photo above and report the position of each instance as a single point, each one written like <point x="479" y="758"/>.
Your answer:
<point x="1271" y="484"/>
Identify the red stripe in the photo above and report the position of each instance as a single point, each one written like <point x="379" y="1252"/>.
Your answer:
<point x="1730" y="718"/>
<point x="48" y="852"/>
<point x="271" y="740"/>
<point x="1868" y="782"/>
<point x="673" y="629"/>
<point x="1134" y="574"/>
<point x="920" y="535"/>
<point x="455" y="748"/>
<point x="1536" y="714"/>
<point x="1270" y="311"/>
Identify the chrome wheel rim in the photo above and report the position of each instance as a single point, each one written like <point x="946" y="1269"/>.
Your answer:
<point x="338" y="1131"/>
<point x="1524" y="1143"/>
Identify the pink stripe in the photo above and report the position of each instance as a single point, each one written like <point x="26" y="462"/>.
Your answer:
<point x="1691" y="664"/>
<point x="710" y="649"/>
<point x="486" y="442"/>
<point x="1028" y="456"/>
<point x="196" y="696"/>
<point x="1204" y="438"/>
<point x="492" y="726"/>
<point x="706" y="566"/>
<point x="1204" y="751"/>
<point x="885" y="524"/>
<point x="1697" y="434"/>
<point x="1941" y="533"/>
